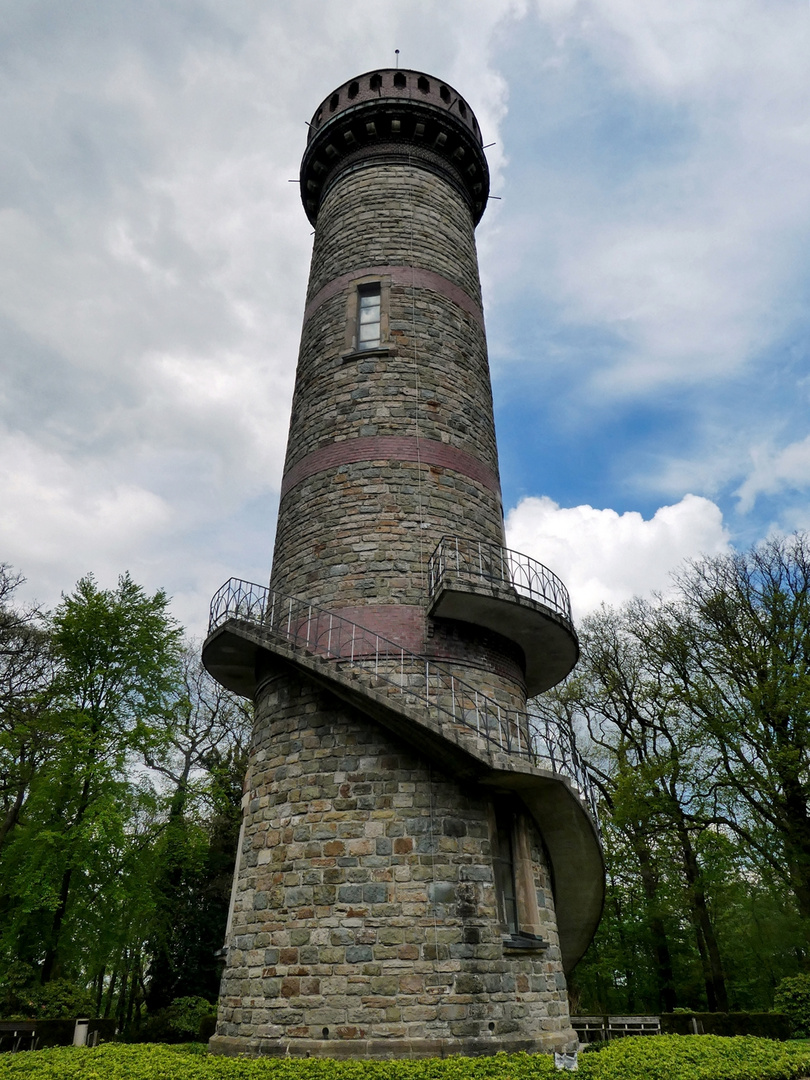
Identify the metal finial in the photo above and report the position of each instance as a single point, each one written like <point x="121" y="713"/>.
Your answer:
<point x="396" y="53"/>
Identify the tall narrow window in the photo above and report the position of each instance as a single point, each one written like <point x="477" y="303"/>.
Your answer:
<point x="504" y="866"/>
<point x="368" y="317"/>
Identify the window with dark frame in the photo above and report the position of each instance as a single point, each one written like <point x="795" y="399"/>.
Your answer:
<point x="504" y="866"/>
<point x="368" y="316"/>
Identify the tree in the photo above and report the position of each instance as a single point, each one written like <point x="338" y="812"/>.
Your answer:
<point x="27" y="736"/>
<point x="115" y="654"/>
<point x="696" y="708"/>
<point x="202" y="764"/>
<point x="735" y="647"/>
<point x="121" y="769"/>
<point x="648" y="765"/>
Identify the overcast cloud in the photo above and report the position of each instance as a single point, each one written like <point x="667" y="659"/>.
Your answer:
<point x="645" y="274"/>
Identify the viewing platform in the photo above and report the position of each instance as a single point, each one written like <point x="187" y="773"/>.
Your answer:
<point x="511" y="594"/>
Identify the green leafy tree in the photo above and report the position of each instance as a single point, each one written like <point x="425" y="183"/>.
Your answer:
<point x="696" y="708"/>
<point x="115" y="654"/>
<point x="734" y="646"/>
<point x="649" y="770"/>
<point x="27" y="733"/>
<point x="202" y="767"/>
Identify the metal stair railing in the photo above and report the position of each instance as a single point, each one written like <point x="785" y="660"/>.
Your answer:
<point x="478" y="561"/>
<point x="418" y="679"/>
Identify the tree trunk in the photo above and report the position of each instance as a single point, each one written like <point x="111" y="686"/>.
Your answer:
<point x="110" y="993"/>
<point x="12" y="815"/>
<point x="100" y="989"/>
<point x="52" y="951"/>
<point x="663" y="957"/>
<point x="711" y="961"/>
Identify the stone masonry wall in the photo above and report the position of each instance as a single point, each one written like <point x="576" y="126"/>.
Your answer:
<point x="429" y="383"/>
<point x="366" y="907"/>
<point x="396" y="214"/>
<point x="391" y="450"/>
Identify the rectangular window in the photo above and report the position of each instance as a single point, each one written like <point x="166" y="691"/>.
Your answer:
<point x="513" y="872"/>
<point x="504" y="866"/>
<point x="368" y="317"/>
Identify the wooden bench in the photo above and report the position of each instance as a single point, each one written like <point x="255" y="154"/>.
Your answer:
<point x="17" y="1035"/>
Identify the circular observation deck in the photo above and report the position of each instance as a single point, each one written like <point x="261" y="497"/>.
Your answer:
<point x="395" y="115"/>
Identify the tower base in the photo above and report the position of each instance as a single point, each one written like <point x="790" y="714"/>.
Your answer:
<point x="366" y="921"/>
<point x="391" y="1049"/>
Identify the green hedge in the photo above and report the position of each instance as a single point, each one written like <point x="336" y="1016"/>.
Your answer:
<point x="793" y="998"/>
<point x="662" y="1057"/>
<point x="765" y="1025"/>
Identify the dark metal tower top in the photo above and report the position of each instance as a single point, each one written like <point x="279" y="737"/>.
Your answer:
<point x="395" y="115"/>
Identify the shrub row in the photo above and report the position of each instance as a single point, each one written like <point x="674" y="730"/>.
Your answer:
<point x="664" y="1057"/>
<point x="766" y="1025"/>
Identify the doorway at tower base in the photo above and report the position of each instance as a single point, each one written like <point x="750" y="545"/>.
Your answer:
<point x="366" y="921"/>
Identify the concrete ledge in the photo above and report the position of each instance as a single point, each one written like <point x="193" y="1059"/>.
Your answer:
<point x="383" y="1049"/>
<point x="548" y="641"/>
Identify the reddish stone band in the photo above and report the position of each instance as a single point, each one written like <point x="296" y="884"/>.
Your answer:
<point x="400" y="275"/>
<point x="402" y="623"/>
<point x="390" y="448"/>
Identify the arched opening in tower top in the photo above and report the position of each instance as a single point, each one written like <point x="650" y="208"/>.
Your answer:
<point x="445" y="93"/>
<point x="334" y="101"/>
<point x="354" y="89"/>
<point x="462" y="108"/>
<point x="400" y="81"/>
<point x="375" y="82"/>
<point x="423" y="84"/>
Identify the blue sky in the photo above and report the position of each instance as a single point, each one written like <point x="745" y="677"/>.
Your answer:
<point x="645" y="274"/>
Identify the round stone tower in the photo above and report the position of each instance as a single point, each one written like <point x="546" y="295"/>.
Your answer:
<point x="419" y="863"/>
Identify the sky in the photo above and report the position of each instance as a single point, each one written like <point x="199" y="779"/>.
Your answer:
<point x="645" y="268"/>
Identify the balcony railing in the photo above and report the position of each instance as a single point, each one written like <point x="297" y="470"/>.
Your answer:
<point x="477" y="562"/>
<point x="417" y="680"/>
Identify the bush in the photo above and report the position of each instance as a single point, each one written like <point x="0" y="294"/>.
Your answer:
<point x="662" y="1057"/>
<point x="792" y="997"/>
<point x="208" y="1025"/>
<point x="59" y="999"/>
<point x="764" y="1025"/>
<point x="179" y="1022"/>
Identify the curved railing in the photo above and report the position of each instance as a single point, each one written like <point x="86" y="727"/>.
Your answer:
<point x="417" y="679"/>
<point x="476" y="561"/>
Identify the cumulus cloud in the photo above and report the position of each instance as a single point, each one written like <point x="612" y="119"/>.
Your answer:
<point x="606" y="557"/>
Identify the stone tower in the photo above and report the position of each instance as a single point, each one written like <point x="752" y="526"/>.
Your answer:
<point x="419" y="862"/>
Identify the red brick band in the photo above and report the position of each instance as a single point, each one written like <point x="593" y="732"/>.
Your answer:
<point x="401" y="275"/>
<point x="390" y="448"/>
<point x="403" y="624"/>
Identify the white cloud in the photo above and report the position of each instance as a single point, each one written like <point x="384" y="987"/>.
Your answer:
<point x="774" y="471"/>
<point x="55" y="512"/>
<point x="155" y="254"/>
<point x="155" y="263"/>
<point x="671" y="217"/>
<point x="606" y="557"/>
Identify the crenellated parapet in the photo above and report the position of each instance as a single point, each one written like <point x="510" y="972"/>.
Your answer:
<point x="393" y="115"/>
